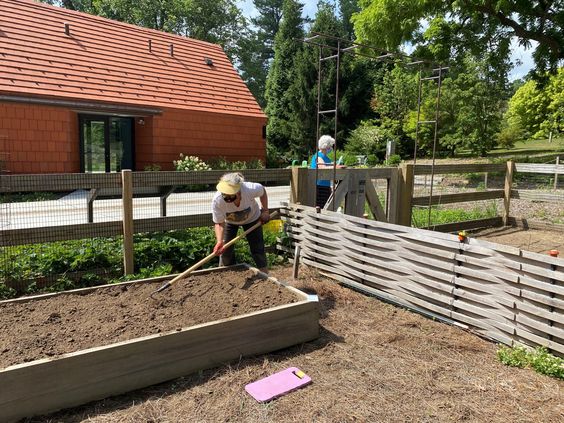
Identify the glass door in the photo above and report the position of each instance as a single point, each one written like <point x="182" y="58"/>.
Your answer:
<point x="93" y="135"/>
<point x="106" y="143"/>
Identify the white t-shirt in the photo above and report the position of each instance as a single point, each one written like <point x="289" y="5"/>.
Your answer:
<point x="248" y="210"/>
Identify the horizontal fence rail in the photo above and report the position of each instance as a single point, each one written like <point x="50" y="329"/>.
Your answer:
<point x="501" y="292"/>
<point x="458" y="197"/>
<point x="58" y="182"/>
<point x="154" y="179"/>
<point x="458" y="168"/>
<point x="47" y="220"/>
<point x="545" y="197"/>
<point x="553" y="169"/>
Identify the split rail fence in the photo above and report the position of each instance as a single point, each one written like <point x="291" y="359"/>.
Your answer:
<point x="504" y="293"/>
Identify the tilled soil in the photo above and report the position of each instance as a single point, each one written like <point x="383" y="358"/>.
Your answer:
<point x="67" y="323"/>
<point x="528" y="240"/>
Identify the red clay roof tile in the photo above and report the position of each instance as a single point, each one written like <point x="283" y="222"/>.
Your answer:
<point x="110" y="61"/>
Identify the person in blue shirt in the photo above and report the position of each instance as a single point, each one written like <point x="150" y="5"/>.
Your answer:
<point x="321" y="160"/>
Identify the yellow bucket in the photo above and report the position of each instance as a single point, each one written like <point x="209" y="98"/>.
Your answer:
<point x="274" y="226"/>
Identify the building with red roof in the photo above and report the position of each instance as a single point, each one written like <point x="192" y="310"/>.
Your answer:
<point x="81" y="93"/>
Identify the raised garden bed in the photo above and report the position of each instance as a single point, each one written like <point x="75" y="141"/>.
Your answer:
<point x="62" y="350"/>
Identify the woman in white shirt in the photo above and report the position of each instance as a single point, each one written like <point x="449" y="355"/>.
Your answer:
<point x="234" y="205"/>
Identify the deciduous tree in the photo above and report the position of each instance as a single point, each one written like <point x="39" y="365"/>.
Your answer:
<point x="455" y="26"/>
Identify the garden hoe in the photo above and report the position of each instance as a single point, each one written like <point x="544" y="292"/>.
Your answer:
<point x="208" y="258"/>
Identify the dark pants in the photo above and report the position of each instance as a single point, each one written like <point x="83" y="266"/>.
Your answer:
<point x="255" y="240"/>
<point x="323" y="194"/>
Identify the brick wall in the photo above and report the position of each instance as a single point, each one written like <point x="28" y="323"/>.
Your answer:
<point x="38" y="139"/>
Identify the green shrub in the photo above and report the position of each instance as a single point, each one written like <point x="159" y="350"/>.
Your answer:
<point x="514" y="357"/>
<point x="508" y="136"/>
<point x="368" y="139"/>
<point x="29" y="262"/>
<point x="393" y="160"/>
<point x="440" y="215"/>
<point x="6" y="292"/>
<point x="538" y="359"/>
<point x="191" y="164"/>
<point x="156" y="254"/>
<point x="221" y="163"/>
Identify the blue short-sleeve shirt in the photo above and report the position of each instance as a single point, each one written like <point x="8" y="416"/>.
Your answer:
<point x="313" y="165"/>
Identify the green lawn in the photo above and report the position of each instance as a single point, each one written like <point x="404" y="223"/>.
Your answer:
<point x="531" y="147"/>
<point x="534" y="151"/>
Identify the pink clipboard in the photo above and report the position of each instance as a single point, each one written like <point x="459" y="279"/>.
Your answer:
<point x="277" y="384"/>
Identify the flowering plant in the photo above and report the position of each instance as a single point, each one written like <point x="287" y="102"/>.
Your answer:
<point x="190" y="163"/>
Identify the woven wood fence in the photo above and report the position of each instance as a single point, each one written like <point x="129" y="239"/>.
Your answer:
<point x="501" y="292"/>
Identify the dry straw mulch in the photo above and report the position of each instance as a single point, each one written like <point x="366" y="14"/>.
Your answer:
<point x="372" y="363"/>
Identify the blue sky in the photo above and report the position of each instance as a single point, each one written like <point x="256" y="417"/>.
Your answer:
<point x="519" y="53"/>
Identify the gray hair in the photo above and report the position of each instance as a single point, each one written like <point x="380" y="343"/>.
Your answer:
<point x="325" y="141"/>
<point x="234" y="178"/>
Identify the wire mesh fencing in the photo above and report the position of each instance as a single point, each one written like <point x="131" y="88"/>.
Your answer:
<point x="60" y="229"/>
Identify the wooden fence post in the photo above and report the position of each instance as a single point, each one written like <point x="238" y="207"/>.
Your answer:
<point x="507" y="193"/>
<point x="301" y="190"/>
<point x="556" y="174"/>
<point x="392" y="192"/>
<point x="127" y="202"/>
<point x="405" y="186"/>
<point x="92" y="194"/>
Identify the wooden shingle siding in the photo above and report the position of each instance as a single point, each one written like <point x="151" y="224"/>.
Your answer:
<point x="45" y="143"/>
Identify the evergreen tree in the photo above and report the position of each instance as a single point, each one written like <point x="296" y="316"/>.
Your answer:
<point x="347" y="8"/>
<point x="303" y="89"/>
<point x="257" y="50"/>
<point x="356" y="80"/>
<point x="268" y="24"/>
<point x="287" y="47"/>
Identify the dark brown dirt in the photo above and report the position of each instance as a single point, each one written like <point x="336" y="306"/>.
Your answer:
<point x="528" y="240"/>
<point x="66" y="323"/>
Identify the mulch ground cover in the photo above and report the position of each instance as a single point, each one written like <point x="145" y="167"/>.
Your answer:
<point x="373" y="362"/>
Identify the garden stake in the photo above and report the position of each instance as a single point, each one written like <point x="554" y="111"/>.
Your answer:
<point x="209" y="257"/>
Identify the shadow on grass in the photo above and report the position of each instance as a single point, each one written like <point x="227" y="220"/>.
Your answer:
<point x="523" y="152"/>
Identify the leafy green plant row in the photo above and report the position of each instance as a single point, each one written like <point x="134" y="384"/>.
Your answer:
<point x="538" y="359"/>
<point x="156" y="254"/>
<point x="441" y="215"/>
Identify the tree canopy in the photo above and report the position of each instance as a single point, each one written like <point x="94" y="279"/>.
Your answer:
<point x="456" y="26"/>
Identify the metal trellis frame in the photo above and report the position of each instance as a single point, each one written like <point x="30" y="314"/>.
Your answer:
<point x="345" y="46"/>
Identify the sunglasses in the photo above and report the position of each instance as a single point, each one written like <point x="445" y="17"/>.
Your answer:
<point x="229" y="198"/>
